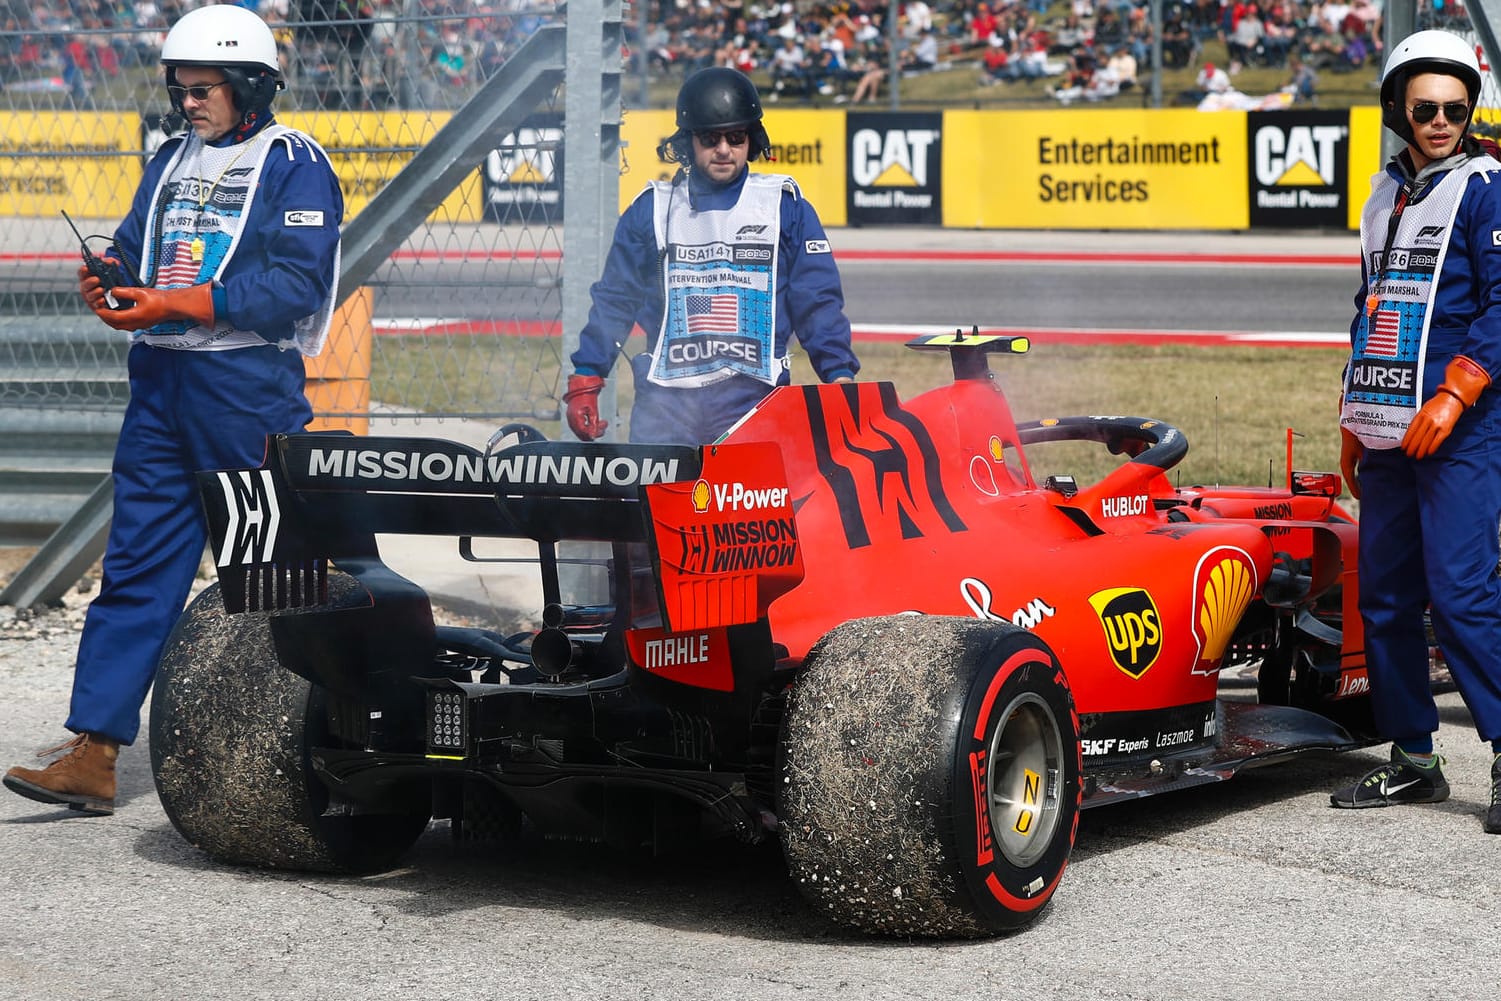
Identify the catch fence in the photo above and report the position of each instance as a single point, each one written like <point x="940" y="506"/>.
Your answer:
<point x="462" y="318"/>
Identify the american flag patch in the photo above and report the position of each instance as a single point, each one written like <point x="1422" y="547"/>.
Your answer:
<point x="180" y="270"/>
<point x="713" y="314"/>
<point x="1381" y="341"/>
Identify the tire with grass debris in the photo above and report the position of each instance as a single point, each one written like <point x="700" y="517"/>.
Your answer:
<point x="930" y="776"/>
<point x="231" y="731"/>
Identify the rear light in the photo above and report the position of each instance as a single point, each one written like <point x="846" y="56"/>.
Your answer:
<point x="447" y="724"/>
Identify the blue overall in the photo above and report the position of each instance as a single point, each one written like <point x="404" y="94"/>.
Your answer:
<point x="188" y="410"/>
<point x="1428" y="528"/>
<point x="193" y="410"/>
<point x="809" y="304"/>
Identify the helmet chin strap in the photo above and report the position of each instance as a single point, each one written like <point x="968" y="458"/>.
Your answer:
<point x="249" y="121"/>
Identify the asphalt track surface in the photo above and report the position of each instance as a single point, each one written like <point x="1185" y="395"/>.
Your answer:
<point x="1280" y="291"/>
<point x="1250" y="889"/>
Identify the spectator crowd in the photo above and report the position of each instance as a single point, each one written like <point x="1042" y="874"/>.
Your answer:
<point x="812" y="51"/>
<point x="351" y="53"/>
<point x="1087" y="49"/>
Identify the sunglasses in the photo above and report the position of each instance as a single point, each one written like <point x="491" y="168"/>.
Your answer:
<point x="709" y="139"/>
<point x="198" y="93"/>
<point x="1455" y="112"/>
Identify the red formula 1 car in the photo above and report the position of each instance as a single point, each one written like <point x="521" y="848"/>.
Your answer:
<point x="857" y="624"/>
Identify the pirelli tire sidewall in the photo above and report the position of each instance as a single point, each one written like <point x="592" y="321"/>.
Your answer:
<point x="883" y="799"/>
<point x="1015" y="677"/>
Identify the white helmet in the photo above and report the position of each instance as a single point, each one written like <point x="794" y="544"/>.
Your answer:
<point x="1431" y="51"/>
<point x="230" y="38"/>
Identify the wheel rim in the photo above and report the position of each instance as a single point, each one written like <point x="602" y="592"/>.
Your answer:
<point x="1024" y="779"/>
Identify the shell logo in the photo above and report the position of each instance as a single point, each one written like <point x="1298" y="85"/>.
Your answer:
<point x="700" y="496"/>
<point x="997" y="450"/>
<point x="1224" y="584"/>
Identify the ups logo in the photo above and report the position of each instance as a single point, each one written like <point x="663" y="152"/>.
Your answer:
<point x="1133" y="629"/>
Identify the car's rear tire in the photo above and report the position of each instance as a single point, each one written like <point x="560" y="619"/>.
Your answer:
<point x="230" y="733"/>
<point x="930" y="776"/>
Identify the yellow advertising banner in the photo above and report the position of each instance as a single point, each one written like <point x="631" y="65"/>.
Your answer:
<point x="90" y="163"/>
<point x="86" y="163"/>
<point x="642" y="132"/>
<point x="1082" y="169"/>
<point x="1079" y="169"/>
<point x="368" y="148"/>
<point x="1365" y="157"/>
<point x="807" y="145"/>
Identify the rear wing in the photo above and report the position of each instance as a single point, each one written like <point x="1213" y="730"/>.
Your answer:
<point x="718" y="521"/>
<point x="322" y="497"/>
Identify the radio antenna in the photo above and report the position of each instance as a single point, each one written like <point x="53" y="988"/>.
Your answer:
<point x="1217" y="440"/>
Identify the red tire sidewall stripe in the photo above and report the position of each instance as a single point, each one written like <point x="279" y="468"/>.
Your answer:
<point x="1007" y="670"/>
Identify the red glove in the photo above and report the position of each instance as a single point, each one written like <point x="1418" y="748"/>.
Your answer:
<point x="92" y="290"/>
<point x="582" y="401"/>
<point x="146" y="307"/>
<point x="1463" y="383"/>
<point x="1351" y="451"/>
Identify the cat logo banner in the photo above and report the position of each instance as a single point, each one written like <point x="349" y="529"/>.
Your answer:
<point x="1299" y="168"/>
<point x="895" y="169"/>
<point x="524" y="174"/>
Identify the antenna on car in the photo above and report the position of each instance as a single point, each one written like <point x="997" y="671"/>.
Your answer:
<point x="1216" y="440"/>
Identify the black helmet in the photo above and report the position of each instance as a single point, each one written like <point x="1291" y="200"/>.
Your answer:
<point x="716" y="98"/>
<point x="1431" y="51"/>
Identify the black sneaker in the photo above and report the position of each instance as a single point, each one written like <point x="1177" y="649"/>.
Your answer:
<point x="1493" y="815"/>
<point x="1401" y="780"/>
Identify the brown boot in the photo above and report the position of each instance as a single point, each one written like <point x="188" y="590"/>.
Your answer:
<point x="83" y="779"/>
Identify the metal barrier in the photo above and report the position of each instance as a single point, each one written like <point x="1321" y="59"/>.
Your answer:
<point x="447" y="138"/>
